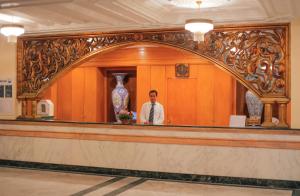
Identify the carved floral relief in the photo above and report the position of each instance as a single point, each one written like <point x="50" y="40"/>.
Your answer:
<point x="257" y="56"/>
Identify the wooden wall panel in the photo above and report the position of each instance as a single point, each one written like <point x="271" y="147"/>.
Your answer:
<point x="170" y="71"/>
<point x="170" y="74"/>
<point x="78" y="86"/>
<point x="47" y="94"/>
<point x="205" y="98"/>
<point x="91" y="92"/>
<point x="143" y="55"/>
<point x="205" y="95"/>
<point x="182" y="101"/>
<point x="240" y="99"/>
<point x="100" y="85"/>
<point x="143" y="86"/>
<point x="54" y="97"/>
<point x="64" y="101"/>
<point x="51" y="93"/>
<point x="234" y="94"/>
<point x="73" y="101"/>
<point x="157" y="82"/>
<point x="223" y="98"/>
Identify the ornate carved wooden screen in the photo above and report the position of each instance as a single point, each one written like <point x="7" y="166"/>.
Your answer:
<point x="257" y="56"/>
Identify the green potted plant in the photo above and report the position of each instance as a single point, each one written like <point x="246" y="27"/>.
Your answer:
<point x="125" y="116"/>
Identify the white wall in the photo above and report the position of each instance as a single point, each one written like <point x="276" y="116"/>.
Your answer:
<point x="295" y="73"/>
<point x="8" y="70"/>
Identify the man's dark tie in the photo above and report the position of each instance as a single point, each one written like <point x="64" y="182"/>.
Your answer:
<point x="151" y="115"/>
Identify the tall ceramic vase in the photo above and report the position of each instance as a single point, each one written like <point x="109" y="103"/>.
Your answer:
<point x="254" y="105"/>
<point x="120" y="96"/>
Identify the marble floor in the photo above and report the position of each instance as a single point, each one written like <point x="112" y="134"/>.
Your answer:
<point x="14" y="182"/>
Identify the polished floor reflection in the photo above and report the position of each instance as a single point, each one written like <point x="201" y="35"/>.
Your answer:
<point x="35" y="182"/>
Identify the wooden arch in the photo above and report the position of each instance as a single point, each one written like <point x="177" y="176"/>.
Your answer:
<point x="255" y="55"/>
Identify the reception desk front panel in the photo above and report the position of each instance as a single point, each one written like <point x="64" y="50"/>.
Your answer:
<point x="250" y="153"/>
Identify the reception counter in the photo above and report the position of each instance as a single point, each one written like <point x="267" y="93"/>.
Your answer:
<point x="210" y="151"/>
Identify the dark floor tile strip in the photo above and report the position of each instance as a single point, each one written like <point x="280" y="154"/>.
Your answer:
<point x="193" y="178"/>
<point x="97" y="186"/>
<point x="126" y="187"/>
<point x="296" y="193"/>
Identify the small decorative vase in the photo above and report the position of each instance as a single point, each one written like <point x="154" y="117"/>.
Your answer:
<point x="255" y="108"/>
<point x="120" y="96"/>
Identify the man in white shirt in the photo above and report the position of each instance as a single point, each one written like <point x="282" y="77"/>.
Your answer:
<point x="152" y="112"/>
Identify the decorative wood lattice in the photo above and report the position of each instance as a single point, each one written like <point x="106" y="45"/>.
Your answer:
<point x="256" y="55"/>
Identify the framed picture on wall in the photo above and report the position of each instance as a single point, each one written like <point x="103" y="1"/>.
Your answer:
<point x="6" y="101"/>
<point x="182" y="70"/>
<point x="1" y="91"/>
<point x="8" y="91"/>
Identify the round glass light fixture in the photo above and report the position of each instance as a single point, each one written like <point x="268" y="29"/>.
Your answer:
<point x="199" y="27"/>
<point x="12" y="31"/>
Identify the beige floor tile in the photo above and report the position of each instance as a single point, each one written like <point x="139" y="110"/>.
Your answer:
<point x="113" y="186"/>
<point x="15" y="182"/>
<point x="161" y="188"/>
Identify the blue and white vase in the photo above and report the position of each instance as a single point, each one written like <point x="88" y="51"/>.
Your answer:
<point x="120" y="95"/>
<point x="254" y="105"/>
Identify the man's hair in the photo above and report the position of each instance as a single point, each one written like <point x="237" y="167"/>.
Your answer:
<point x="153" y="91"/>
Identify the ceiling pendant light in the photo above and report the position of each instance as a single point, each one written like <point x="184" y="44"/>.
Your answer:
<point x="12" y="31"/>
<point x="199" y="26"/>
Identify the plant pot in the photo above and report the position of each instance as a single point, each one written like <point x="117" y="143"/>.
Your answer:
<point x="126" y="121"/>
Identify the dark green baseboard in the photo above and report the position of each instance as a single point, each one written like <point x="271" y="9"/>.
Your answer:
<point x="205" y="179"/>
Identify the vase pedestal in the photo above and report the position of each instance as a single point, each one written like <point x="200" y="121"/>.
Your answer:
<point x="282" y="104"/>
<point x="268" y="113"/>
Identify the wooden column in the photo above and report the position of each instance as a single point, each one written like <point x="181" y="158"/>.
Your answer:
<point x="282" y="104"/>
<point x="268" y="104"/>
<point x="29" y="108"/>
<point x="24" y="108"/>
<point x="33" y="108"/>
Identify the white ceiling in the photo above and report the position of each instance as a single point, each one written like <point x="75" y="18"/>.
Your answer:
<point x="53" y="16"/>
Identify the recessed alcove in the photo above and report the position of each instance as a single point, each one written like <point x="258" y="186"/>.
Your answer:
<point x="129" y="83"/>
<point x="207" y="97"/>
